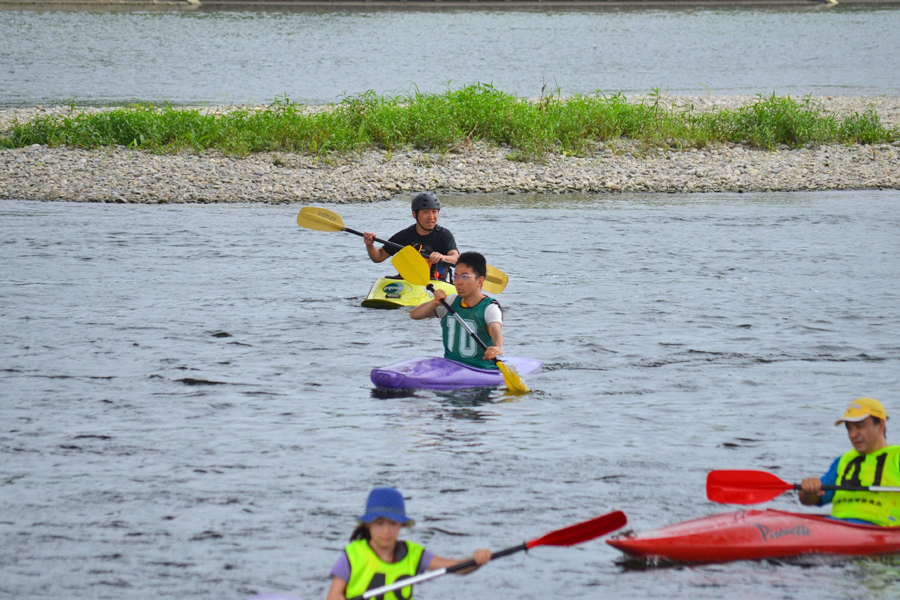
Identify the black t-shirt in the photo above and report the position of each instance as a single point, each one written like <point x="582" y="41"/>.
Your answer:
<point x="439" y="240"/>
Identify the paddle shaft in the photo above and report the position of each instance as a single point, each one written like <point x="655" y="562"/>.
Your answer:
<point x="465" y="325"/>
<point x="853" y="488"/>
<point x="402" y="583"/>
<point x="390" y="243"/>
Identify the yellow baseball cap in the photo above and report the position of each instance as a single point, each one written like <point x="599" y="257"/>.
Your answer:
<point x="861" y="408"/>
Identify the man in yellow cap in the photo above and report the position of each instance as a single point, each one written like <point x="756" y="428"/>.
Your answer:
<point x="871" y="462"/>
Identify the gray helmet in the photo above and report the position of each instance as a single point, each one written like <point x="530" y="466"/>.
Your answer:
<point x="425" y="201"/>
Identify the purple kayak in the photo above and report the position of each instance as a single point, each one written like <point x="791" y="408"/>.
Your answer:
<point x="433" y="373"/>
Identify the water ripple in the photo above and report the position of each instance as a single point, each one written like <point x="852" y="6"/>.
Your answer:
<point x="194" y="418"/>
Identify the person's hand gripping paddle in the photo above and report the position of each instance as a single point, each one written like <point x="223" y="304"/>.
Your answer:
<point x="574" y="534"/>
<point x="322" y="219"/>
<point x="756" y="487"/>
<point x="414" y="269"/>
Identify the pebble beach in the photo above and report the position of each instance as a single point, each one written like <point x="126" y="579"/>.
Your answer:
<point x="118" y="174"/>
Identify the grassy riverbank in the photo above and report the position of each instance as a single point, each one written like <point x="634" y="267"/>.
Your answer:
<point x="437" y="122"/>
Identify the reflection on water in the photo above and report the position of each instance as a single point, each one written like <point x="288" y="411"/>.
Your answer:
<point x="188" y="413"/>
<point x="387" y="394"/>
<point x="236" y="56"/>
<point x="470" y="403"/>
<point x="878" y="575"/>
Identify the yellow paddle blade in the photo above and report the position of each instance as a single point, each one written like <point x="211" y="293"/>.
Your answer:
<point x="513" y="381"/>
<point x="409" y="260"/>
<point x="495" y="281"/>
<point x="411" y="266"/>
<point x="320" y="219"/>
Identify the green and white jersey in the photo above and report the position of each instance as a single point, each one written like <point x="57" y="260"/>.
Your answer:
<point x="458" y="344"/>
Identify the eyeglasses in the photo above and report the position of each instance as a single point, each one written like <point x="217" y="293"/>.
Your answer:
<point x="466" y="277"/>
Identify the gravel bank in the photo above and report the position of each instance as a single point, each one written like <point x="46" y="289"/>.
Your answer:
<point x="121" y="175"/>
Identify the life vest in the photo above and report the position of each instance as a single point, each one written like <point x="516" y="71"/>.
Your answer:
<point x="877" y="468"/>
<point x="438" y="271"/>
<point x="458" y="344"/>
<point x="368" y="571"/>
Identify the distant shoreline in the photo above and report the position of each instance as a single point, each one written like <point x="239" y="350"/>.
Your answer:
<point x="417" y="4"/>
<point x="120" y="175"/>
<point x="117" y="174"/>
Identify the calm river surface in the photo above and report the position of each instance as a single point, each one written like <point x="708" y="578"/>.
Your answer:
<point x="186" y="408"/>
<point x="223" y="57"/>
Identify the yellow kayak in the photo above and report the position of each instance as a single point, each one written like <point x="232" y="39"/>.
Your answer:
<point x="394" y="292"/>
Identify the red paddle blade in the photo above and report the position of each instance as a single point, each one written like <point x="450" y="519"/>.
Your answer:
<point x="744" y="487"/>
<point x="581" y="532"/>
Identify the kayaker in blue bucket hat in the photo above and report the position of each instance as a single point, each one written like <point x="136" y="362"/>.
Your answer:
<point x="387" y="503"/>
<point x="375" y="557"/>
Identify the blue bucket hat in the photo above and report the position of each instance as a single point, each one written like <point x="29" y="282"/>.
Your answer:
<point x="386" y="502"/>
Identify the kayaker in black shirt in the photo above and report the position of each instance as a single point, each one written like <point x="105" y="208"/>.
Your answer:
<point x="426" y="235"/>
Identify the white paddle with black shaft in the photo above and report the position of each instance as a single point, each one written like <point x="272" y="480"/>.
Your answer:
<point x="414" y="269"/>
<point x="569" y="536"/>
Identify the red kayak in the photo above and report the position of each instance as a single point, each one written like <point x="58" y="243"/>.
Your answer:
<point x="757" y="534"/>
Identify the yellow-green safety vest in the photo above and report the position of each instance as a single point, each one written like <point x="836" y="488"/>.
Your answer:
<point x="368" y="571"/>
<point x="877" y="468"/>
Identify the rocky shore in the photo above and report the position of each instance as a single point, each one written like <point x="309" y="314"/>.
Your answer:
<point x="121" y="175"/>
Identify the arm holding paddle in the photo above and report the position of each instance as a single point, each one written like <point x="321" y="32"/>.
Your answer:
<point x="338" y="590"/>
<point x="377" y="255"/>
<point x="495" y="330"/>
<point x="818" y="491"/>
<point x="811" y="491"/>
<point x="481" y="557"/>
<point x="437" y="257"/>
<point x="428" y="310"/>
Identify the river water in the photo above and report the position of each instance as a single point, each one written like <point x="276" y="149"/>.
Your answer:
<point x="186" y="408"/>
<point x="233" y="56"/>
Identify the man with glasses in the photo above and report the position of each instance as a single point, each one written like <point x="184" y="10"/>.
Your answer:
<point x="436" y="242"/>
<point x="481" y="312"/>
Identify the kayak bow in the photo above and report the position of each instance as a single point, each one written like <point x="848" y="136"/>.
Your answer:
<point x="393" y="292"/>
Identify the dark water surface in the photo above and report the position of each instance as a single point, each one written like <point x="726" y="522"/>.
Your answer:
<point x="222" y="57"/>
<point x="186" y="410"/>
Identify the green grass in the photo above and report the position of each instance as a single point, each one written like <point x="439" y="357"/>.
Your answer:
<point x="438" y="122"/>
